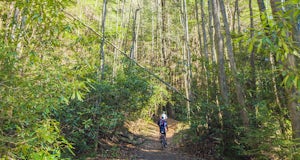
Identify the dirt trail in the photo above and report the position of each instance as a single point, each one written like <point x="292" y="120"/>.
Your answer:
<point x="151" y="148"/>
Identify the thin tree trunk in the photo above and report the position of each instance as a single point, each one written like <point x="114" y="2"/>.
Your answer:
<point x="220" y="54"/>
<point x="210" y="31"/>
<point x="275" y="6"/>
<point x="125" y="43"/>
<point x="138" y="19"/>
<point x="21" y="32"/>
<point x="188" y="58"/>
<point x="205" y="48"/>
<point x="236" y="9"/>
<point x="118" y="23"/>
<point x="263" y="15"/>
<point x="213" y="78"/>
<point x="152" y="31"/>
<point x="164" y="30"/>
<point x="14" y="25"/>
<point x="198" y="27"/>
<point x="252" y="56"/>
<point x="238" y="15"/>
<point x="158" y="31"/>
<point x="102" y="69"/>
<point x="132" y="56"/>
<point x="204" y="31"/>
<point x="238" y="88"/>
<point x="8" y="23"/>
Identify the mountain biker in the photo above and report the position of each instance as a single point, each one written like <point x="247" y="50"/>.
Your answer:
<point x="163" y="125"/>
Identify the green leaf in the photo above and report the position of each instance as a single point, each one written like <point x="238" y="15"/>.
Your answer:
<point x="296" y="53"/>
<point x="78" y="95"/>
<point x="259" y="46"/>
<point x="296" y="79"/>
<point x="285" y="80"/>
<point x="298" y="86"/>
<point x="73" y="95"/>
<point x="250" y="48"/>
<point x="285" y="47"/>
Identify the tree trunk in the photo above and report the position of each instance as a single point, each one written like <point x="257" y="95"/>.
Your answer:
<point x="238" y="88"/>
<point x="158" y="32"/>
<point x="188" y="76"/>
<point x="213" y="88"/>
<point x="198" y="27"/>
<point x="263" y="15"/>
<point x="211" y="32"/>
<point x="265" y="22"/>
<point x="290" y="65"/>
<point x="164" y="30"/>
<point x="275" y="6"/>
<point x="205" y="49"/>
<point x="119" y="42"/>
<point x="252" y="56"/>
<point x="153" y="31"/>
<point x="220" y="55"/>
<point x="132" y="56"/>
<point x="102" y="69"/>
<point x="204" y="31"/>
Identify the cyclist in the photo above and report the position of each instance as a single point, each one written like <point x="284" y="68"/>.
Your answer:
<point x="163" y="126"/>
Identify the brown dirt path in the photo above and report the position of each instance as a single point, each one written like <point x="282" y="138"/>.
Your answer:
<point x="151" y="148"/>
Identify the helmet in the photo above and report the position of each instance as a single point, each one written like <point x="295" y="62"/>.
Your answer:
<point x="163" y="116"/>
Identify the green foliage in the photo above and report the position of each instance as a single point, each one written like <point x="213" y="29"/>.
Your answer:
<point x="265" y="139"/>
<point x="106" y="107"/>
<point x="29" y="96"/>
<point x="35" y="81"/>
<point x="51" y="95"/>
<point x="159" y="98"/>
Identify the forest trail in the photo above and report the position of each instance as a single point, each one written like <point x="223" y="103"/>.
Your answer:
<point x="151" y="148"/>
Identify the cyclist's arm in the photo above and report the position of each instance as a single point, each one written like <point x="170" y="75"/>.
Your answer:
<point x="167" y="126"/>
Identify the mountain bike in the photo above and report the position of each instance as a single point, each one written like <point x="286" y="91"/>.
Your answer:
<point x="163" y="141"/>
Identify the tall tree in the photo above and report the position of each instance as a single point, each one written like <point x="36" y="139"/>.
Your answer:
<point x="238" y="88"/>
<point x="102" y="67"/>
<point x="252" y="54"/>
<point x="119" y="40"/>
<point x="158" y="34"/>
<point x="265" y="24"/>
<point x="290" y="63"/>
<point x="204" y="36"/>
<point x="205" y="45"/>
<point x="102" y="72"/>
<point x="211" y="32"/>
<point x="164" y="31"/>
<point x="263" y="15"/>
<point x="188" y="75"/>
<point x="220" y="54"/>
<point x="134" y="35"/>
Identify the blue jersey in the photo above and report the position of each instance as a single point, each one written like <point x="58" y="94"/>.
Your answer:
<point x="162" y="125"/>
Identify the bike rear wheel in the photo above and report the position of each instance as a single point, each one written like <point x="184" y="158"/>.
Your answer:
<point x="163" y="141"/>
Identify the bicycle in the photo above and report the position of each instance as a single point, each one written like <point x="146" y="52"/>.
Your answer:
<point x="163" y="141"/>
